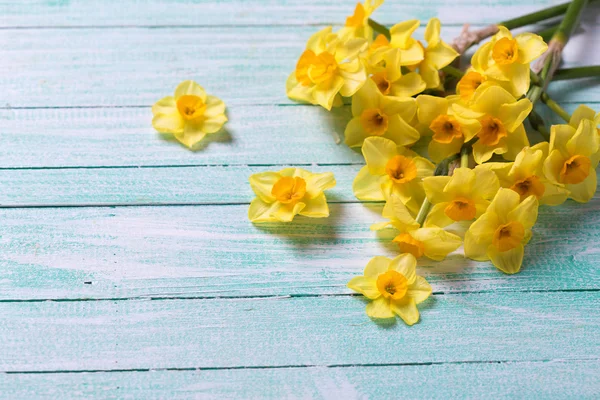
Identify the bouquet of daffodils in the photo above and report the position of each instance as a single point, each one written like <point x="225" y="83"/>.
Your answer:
<point x="446" y="148"/>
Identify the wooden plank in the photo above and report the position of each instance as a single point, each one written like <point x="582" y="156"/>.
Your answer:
<point x="308" y="331"/>
<point x="214" y="251"/>
<point x="35" y="13"/>
<point x="138" y="66"/>
<point x="547" y="379"/>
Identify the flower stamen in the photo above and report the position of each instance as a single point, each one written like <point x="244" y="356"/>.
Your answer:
<point x="392" y="285"/>
<point x="401" y="169"/>
<point x="289" y="190"/>
<point x="508" y="236"/>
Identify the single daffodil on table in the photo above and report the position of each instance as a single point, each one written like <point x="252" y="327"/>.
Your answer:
<point x="501" y="233"/>
<point x="190" y="114"/>
<point x="379" y="115"/>
<point x="329" y="66"/>
<point x="573" y="159"/>
<point x="461" y="197"/>
<point x="287" y="193"/>
<point x="391" y="169"/>
<point x="432" y="242"/>
<point x="393" y="287"/>
<point x="357" y="25"/>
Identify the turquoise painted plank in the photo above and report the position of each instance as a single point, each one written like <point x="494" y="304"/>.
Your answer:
<point x="35" y="13"/>
<point x="169" y="185"/>
<point x="558" y="379"/>
<point x="214" y="251"/>
<point x="315" y="331"/>
<point x="138" y="66"/>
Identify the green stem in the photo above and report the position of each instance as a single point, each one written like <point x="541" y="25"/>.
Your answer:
<point x="570" y="21"/>
<point x="377" y="27"/>
<point x="423" y="211"/>
<point x="537" y="123"/>
<point x="464" y="157"/>
<point x="537" y="16"/>
<point x="576" y="73"/>
<point x="554" y="106"/>
<point x="455" y="72"/>
<point x="546" y="34"/>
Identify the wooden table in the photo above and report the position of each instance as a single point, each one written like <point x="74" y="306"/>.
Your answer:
<point x="129" y="268"/>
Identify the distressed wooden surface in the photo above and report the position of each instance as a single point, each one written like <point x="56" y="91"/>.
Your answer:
<point x="131" y="258"/>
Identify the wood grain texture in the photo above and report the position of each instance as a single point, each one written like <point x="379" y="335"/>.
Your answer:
<point x="309" y="331"/>
<point x="557" y="379"/>
<point x="138" y="66"/>
<point x="214" y="251"/>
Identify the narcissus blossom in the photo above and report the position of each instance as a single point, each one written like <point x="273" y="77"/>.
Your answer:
<point x="573" y="158"/>
<point x="190" y="114"/>
<point x="393" y="287"/>
<point x="526" y="177"/>
<point x="357" y="25"/>
<point x="379" y="115"/>
<point x="391" y="169"/>
<point x="461" y="197"/>
<point x="501" y="118"/>
<point x="501" y="233"/>
<point x="432" y="242"/>
<point x="506" y="58"/>
<point x="448" y="130"/>
<point x="287" y="193"/>
<point x="329" y="66"/>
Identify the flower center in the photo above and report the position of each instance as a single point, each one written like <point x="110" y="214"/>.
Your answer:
<point x="461" y="209"/>
<point x="408" y="244"/>
<point x="382" y="83"/>
<point x="445" y="129"/>
<point x="529" y="186"/>
<point x="315" y="69"/>
<point x="492" y="130"/>
<point x="469" y="84"/>
<point x="374" y="122"/>
<point x="358" y="18"/>
<point x="392" y="285"/>
<point x="401" y="169"/>
<point x="508" y="236"/>
<point x="191" y="107"/>
<point x="289" y="190"/>
<point x="505" y="51"/>
<point x="575" y="170"/>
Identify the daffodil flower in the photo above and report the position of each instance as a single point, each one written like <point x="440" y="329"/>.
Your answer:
<point x="379" y="115"/>
<point x="391" y="169"/>
<point x="287" y="193"/>
<point x="501" y="233"/>
<point x="526" y="177"/>
<point x="393" y="287"/>
<point x="437" y="55"/>
<point x="461" y="197"/>
<point x="432" y="242"/>
<point x="584" y="112"/>
<point x="573" y="159"/>
<point x="329" y="66"/>
<point x="412" y="51"/>
<point x="501" y="119"/>
<point x="506" y="58"/>
<point x="357" y="25"/>
<point x="448" y="131"/>
<point x="190" y="114"/>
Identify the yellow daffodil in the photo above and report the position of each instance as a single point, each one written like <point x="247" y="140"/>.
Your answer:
<point x="473" y="80"/>
<point x="573" y="159"/>
<point x="584" y="112"/>
<point x="501" y="233"/>
<point x="412" y="51"/>
<point x="449" y="131"/>
<point x="461" y="197"/>
<point x="391" y="169"/>
<point x="190" y="114"/>
<point x="287" y="193"/>
<point x="437" y="55"/>
<point x="501" y="119"/>
<point x="393" y="287"/>
<point x="506" y="58"/>
<point x="357" y="25"/>
<point x="379" y="115"/>
<point x="329" y="66"/>
<point x="526" y="177"/>
<point x="432" y="242"/>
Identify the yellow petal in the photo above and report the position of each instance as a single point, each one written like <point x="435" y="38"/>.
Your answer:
<point x="584" y="191"/>
<point x="508" y="261"/>
<point x="432" y="32"/>
<point x="352" y="81"/>
<point x="463" y="180"/>
<point x="406" y="310"/>
<point x="168" y="123"/>
<point x="419" y="290"/>
<point x="430" y="75"/>
<point x="315" y="207"/>
<point x="526" y="212"/>
<point x="585" y="140"/>
<point x="434" y="189"/>
<point x="214" y="124"/>
<point x="325" y="95"/>
<point x="400" y="132"/>
<point x="191" y="88"/>
<point x="260" y="211"/>
<point x="214" y="107"/>
<point x="437" y="242"/>
<point x="482" y="153"/>
<point x="440" y="55"/>
<point x="377" y="266"/>
<point x="379" y="308"/>
<point x="520" y="78"/>
<point x="408" y="85"/>
<point x="531" y="46"/>
<point x="480" y="58"/>
<point x="166" y="105"/>
<point x="299" y="92"/>
<point x="367" y="187"/>
<point x="560" y="135"/>
<point x="437" y="216"/>
<point x="401" y="33"/>
<point x="262" y="184"/>
<point x="192" y="134"/>
<point x="505" y="201"/>
<point x="377" y="152"/>
<point x="366" y="98"/>
<point x="513" y="114"/>
<point x="581" y="112"/>
<point x="365" y="286"/>
<point x="438" y="151"/>
<point x="430" y="107"/>
<point x="406" y="264"/>
<point x="405" y="108"/>
<point x="355" y="134"/>
<point x="515" y="141"/>
<point x="286" y="212"/>
<point x="396" y="210"/>
<point x="486" y="182"/>
<point x="491" y="99"/>
<point x="316" y="184"/>
<point x="479" y="236"/>
<point x="554" y="195"/>
<point x="553" y="165"/>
